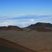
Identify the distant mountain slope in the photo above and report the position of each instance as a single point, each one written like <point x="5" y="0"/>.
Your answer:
<point x="8" y="46"/>
<point x="40" y="27"/>
<point x="45" y="27"/>
<point x="10" y="28"/>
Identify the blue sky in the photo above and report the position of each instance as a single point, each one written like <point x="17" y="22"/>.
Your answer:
<point x="25" y="12"/>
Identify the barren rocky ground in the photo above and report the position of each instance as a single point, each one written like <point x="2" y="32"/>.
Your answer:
<point x="39" y="41"/>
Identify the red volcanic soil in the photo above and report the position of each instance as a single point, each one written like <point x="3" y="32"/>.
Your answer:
<point x="8" y="46"/>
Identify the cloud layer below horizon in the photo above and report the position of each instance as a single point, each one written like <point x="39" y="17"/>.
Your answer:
<point x="24" y="21"/>
<point x="25" y="12"/>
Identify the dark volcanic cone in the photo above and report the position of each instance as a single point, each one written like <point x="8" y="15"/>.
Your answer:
<point x="40" y="27"/>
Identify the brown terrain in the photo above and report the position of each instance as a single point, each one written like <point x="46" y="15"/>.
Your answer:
<point x="8" y="46"/>
<point x="37" y="37"/>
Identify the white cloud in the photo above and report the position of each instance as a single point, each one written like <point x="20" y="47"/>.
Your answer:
<point x="6" y="23"/>
<point x="20" y="22"/>
<point x="25" y="22"/>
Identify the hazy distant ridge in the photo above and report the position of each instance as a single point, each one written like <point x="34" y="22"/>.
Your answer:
<point x="38" y="27"/>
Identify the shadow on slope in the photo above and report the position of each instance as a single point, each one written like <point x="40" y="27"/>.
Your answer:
<point x="8" y="46"/>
